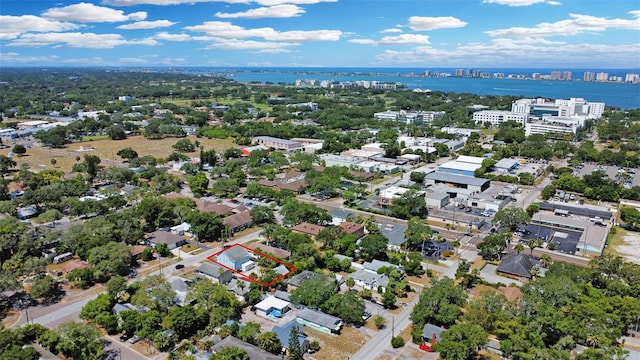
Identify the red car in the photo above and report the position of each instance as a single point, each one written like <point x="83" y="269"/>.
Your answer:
<point x="426" y="347"/>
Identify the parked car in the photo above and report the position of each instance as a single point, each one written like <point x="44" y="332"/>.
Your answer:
<point x="134" y="339"/>
<point x="179" y="266"/>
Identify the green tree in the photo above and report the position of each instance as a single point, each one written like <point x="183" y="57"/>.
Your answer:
<point x="80" y="341"/>
<point x="230" y="353"/>
<point x="113" y="258"/>
<point x="295" y="352"/>
<point x="262" y="215"/>
<point x="373" y="246"/>
<point x="249" y="331"/>
<point x="417" y="231"/>
<point x="380" y="321"/>
<point x="19" y="149"/>
<point x="127" y="153"/>
<point x="115" y="132"/>
<point x="185" y="321"/>
<point x="96" y="307"/>
<point x="184" y="145"/>
<point x="198" y="183"/>
<point x="116" y="286"/>
<point x="163" y="250"/>
<point x="532" y="209"/>
<point x="409" y="204"/>
<point x="493" y="246"/>
<point x="511" y="217"/>
<point x="44" y="288"/>
<point x="314" y="291"/>
<point x="268" y="341"/>
<point x="548" y="192"/>
<point x="207" y="226"/>
<point x="6" y="163"/>
<point x="347" y="306"/>
<point x="388" y="299"/>
<point x="397" y="342"/>
<point x="440" y="304"/>
<point x="461" y="341"/>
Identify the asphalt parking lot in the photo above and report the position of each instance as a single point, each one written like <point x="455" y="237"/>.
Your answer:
<point x="565" y="244"/>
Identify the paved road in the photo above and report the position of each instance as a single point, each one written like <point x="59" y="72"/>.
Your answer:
<point x="382" y="340"/>
<point x="56" y="314"/>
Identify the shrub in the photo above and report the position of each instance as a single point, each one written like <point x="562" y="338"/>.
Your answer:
<point x="397" y="341"/>
<point x="447" y="253"/>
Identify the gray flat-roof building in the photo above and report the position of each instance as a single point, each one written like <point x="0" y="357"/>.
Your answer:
<point x="461" y="181"/>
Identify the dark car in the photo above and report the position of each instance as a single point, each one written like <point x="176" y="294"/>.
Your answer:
<point x="179" y="266"/>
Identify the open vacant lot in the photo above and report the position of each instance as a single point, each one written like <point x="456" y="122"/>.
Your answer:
<point x="39" y="158"/>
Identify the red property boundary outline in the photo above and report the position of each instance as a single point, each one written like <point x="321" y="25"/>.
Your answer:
<point x="291" y="268"/>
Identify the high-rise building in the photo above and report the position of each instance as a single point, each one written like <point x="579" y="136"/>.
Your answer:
<point x="459" y="72"/>
<point x="589" y="76"/>
<point x="632" y="78"/>
<point x="602" y="76"/>
<point x="567" y="75"/>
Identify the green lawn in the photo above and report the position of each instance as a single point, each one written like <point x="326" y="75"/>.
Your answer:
<point x="95" y="137"/>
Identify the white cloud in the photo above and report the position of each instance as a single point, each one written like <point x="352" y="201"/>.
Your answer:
<point x="403" y="39"/>
<point x="577" y="24"/>
<point x="273" y="51"/>
<point x="516" y="53"/>
<point x="168" y="2"/>
<point x="16" y="58"/>
<point x="520" y="2"/>
<point x="418" y="23"/>
<point x="13" y="26"/>
<point x="172" y="37"/>
<point x="392" y="30"/>
<point x="363" y="41"/>
<point x="146" y="25"/>
<point x="234" y="44"/>
<point x="78" y="40"/>
<point x="227" y="30"/>
<point x="86" y="12"/>
<point x="277" y="11"/>
<point x="297" y="2"/>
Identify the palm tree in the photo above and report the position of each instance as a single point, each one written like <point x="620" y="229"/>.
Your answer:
<point x="268" y="341"/>
<point x="535" y="271"/>
<point x="518" y="248"/>
<point x="533" y="243"/>
<point x="546" y="260"/>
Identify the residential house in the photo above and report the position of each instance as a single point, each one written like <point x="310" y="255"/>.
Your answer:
<point x="253" y="352"/>
<point x="215" y="272"/>
<point x="295" y="281"/>
<point x="282" y="295"/>
<point x="180" y="288"/>
<point x="355" y="229"/>
<point x="292" y="181"/>
<point x="173" y="241"/>
<point x="283" y="332"/>
<point x="370" y="281"/>
<point x="270" y="250"/>
<point x="519" y="265"/>
<point x="320" y="321"/>
<point x="338" y="216"/>
<point x="181" y="229"/>
<point x="208" y="206"/>
<point x="240" y="288"/>
<point x="308" y="228"/>
<point x="374" y="265"/>
<point x="272" y="306"/>
<point x="74" y="265"/>
<point x="513" y="294"/>
<point x="248" y="150"/>
<point x="136" y="251"/>
<point x="238" y="222"/>
<point x="234" y="257"/>
<point x="430" y="331"/>
<point x="394" y="234"/>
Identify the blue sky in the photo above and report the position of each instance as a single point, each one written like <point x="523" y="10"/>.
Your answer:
<point x="322" y="33"/>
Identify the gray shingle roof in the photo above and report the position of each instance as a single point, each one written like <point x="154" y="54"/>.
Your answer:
<point x="319" y="318"/>
<point x="518" y="264"/>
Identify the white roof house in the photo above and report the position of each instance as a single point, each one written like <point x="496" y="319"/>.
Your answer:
<point x="271" y="303"/>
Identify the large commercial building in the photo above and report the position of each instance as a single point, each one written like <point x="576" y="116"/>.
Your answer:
<point x="277" y="143"/>
<point x="497" y="117"/>
<point x="409" y="116"/>
<point x="554" y="125"/>
<point x="539" y="107"/>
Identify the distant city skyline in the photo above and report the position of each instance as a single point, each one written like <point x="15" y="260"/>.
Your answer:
<point x="468" y="34"/>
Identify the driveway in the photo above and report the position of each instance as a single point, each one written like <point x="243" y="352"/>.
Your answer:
<point x="488" y="274"/>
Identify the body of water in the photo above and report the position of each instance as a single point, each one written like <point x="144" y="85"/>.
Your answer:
<point x="621" y="95"/>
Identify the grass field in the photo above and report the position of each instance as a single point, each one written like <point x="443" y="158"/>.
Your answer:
<point x="95" y="137"/>
<point x="39" y="158"/>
